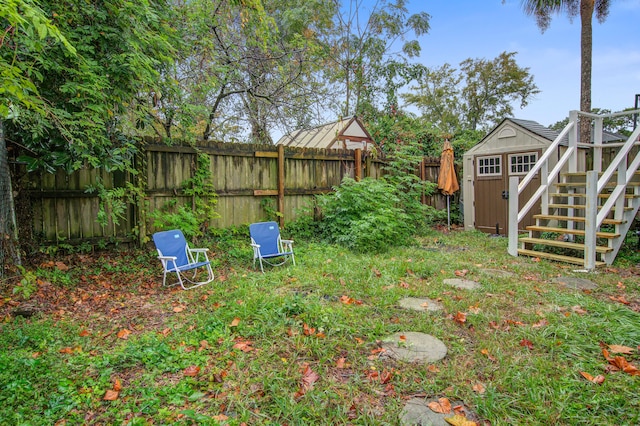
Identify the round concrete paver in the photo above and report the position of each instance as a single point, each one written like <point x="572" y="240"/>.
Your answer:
<point x="575" y="283"/>
<point x="411" y="346"/>
<point x="416" y="412"/>
<point x="460" y="283"/>
<point x="419" y="304"/>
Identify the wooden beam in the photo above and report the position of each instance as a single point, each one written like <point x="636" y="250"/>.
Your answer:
<point x="281" y="184"/>
<point x="358" y="165"/>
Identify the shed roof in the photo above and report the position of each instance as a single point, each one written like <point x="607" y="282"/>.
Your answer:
<point x="542" y="135"/>
<point x="551" y="134"/>
<point x="347" y="133"/>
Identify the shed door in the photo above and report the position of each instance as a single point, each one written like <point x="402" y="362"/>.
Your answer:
<point x="491" y="189"/>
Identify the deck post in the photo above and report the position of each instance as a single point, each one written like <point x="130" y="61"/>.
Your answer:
<point x="513" y="215"/>
<point x="590" y="223"/>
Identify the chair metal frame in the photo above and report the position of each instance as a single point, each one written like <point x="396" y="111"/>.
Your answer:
<point x="267" y="244"/>
<point x="177" y="257"/>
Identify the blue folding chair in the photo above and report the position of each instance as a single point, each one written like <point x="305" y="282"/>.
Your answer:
<point x="267" y="245"/>
<point x="187" y="263"/>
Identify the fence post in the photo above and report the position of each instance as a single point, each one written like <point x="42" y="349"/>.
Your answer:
<point x="358" y="164"/>
<point x="423" y="177"/>
<point x="281" y="184"/>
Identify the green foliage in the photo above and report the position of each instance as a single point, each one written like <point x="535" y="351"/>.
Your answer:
<point x="269" y="207"/>
<point x="401" y="173"/>
<point x="84" y="96"/>
<point x="365" y="216"/>
<point x="28" y="283"/>
<point x="476" y="96"/>
<point x="193" y="220"/>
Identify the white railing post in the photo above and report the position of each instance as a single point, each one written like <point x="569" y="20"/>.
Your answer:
<point x="591" y="218"/>
<point x="513" y="215"/>
<point x="573" y="141"/>
<point x="544" y="181"/>
<point x="597" y="145"/>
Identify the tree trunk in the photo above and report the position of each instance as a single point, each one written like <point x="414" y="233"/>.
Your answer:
<point x="8" y="230"/>
<point x="586" y="47"/>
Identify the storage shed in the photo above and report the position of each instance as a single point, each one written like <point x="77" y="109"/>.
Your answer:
<point x="347" y="133"/>
<point x="510" y="149"/>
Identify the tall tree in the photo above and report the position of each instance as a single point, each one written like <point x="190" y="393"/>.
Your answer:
<point x="119" y="46"/>
<point x="543" y="10"/>
<point x="361" y="56"/>
<point x="27" y="33"/>
<point x="477" y="95"/>
<point x="241" y="66"/>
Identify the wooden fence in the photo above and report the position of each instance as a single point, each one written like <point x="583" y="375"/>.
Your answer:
<point x="243" y="176"/>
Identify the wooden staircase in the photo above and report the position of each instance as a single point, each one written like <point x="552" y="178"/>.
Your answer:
<point x="560" y="234"/>
<point x="585" y="214"/>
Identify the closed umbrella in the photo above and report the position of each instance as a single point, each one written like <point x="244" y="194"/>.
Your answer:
<point x="447" y="179"/>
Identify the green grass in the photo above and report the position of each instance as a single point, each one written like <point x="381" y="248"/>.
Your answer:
<point x="56" y="365"/>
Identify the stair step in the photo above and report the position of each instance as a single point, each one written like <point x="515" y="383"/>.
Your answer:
<point x="574" y="219"/>
<point x="576" y="206"/>
<point x="570" y="231"/>
<point x="581" y="195"/>
<point x="562" y="244"/>
<point x="556" y="257"/>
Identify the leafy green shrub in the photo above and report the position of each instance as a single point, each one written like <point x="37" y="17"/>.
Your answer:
<point x="365" y="216"/>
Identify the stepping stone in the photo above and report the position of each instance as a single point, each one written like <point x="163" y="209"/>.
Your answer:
<point x="418" y="304"/>
<point x="416" y="412"/>
<point x="575" y="283"/>
<point x="461" y="283"/>
<point x="414" y="347"/>
<point x="499" y="273"/>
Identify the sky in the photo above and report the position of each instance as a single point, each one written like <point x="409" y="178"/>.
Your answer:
<point x="462" y="29"/>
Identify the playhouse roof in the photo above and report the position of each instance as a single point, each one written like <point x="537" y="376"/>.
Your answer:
<point x="347" y="133"/>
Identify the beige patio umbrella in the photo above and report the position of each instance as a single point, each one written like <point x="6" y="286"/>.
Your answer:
<point x="447" y="179"/>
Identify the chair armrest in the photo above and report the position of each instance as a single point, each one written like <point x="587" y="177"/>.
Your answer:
<point x="287" y="242"/>
<point x="255" y="245"/>
<point x="198" y="252"/>
<point x="167" y="258"/>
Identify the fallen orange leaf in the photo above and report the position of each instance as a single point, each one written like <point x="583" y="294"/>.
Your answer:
<point x="123" y="334"/>
<point x="442" y="406"/>
<point x="598" y="379"/>
<point x="461" y="273"/>
<point x="309" y="377"/>
<point x="488" y="355"/>
<point x="243" y="345"/>
<point x="235" y="322"/>
<point x="61" y="266"/>
<point x="178" y="309"/>
<point x="308" y="331"/>
<point x="460" y="317"/>
<point x="340" y="363"/>
<point x="621" y="349"/>
<point x="479" y="388"/>
<point x="433" y="369"/>
<point x="117" y="385"/>
<point x="191" y="371"/>
<point x="527" y="344"/>
<point x="459" y="420"/>
<point x="84" y="333"/>
<point x="110" y="395"/>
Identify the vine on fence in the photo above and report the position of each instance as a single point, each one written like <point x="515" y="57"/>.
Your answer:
<point x="192" y="220"/>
